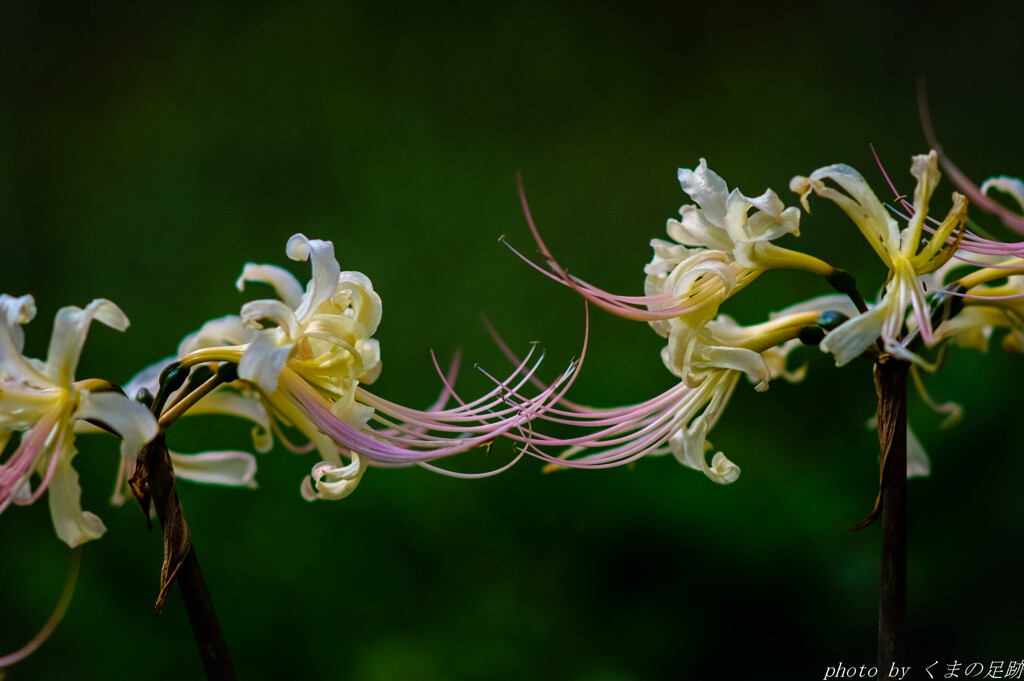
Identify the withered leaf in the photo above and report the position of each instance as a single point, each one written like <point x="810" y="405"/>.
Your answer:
<point x="177" y="545"/>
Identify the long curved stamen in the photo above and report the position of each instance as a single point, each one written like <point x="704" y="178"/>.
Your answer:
<point x="969" y="241"/>
<point x="58" y="613"/>
<point x="421" y="447"/>
<point x="629" y="307"/>
<point x="666" y="305"/>
<point x="20" y="463"/>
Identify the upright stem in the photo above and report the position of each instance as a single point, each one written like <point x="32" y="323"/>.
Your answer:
<point x="891" y="377"/>
<point x="201" y="615"/>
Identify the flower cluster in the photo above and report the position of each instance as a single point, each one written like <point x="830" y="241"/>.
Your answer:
<point x="724" y="241"/>
<point x="721" y="244"/>
<point x="305" y="359"/>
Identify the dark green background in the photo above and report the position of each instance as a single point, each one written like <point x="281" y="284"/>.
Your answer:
<point x="146" y="154"/>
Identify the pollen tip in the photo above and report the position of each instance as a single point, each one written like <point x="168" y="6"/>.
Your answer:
<point x="501" y="239"/>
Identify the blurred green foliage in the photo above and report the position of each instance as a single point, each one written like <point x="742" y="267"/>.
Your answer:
<point x="146" y="153"/>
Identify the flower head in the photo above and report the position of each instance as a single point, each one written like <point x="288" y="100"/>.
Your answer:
<point x="678" y="420"/>
<point x="303" y="361"/>
<point x="905" y="252"/>
<point x="44" y="402"/>
<point x="720" y="244"/>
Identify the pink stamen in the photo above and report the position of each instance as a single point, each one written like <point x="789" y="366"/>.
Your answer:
<point x="629" y="307"/>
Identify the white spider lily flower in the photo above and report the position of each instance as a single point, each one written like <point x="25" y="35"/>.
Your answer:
<point x="678" y="420"/>
<point x="718" y="247"/>
<point x="902" y="252"/>
<point x="43" y="401"/>
<point x="721" y="221"/>
<point x="329" y="325"/>
<point x="307" y="369"/>
<point x="321" y="332"/>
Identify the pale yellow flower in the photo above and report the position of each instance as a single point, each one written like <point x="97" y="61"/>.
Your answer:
<point x="43" y="401"/>
<point x="907" y="255"/>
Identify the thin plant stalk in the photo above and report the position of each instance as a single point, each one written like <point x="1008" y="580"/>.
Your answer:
<point x="182" y="565"/>
<point x="891" y="377"/>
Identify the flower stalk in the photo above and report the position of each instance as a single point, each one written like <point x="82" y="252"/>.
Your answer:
<point x="153" y="485"/>
<point x="891" y="378"/>
<point x="155" y="478"/>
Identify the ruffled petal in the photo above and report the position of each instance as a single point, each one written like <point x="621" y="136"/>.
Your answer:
<point x="15" y="312"/>
<point x="73" y="525"/>
<point x="22" y="407"/>
<point x="228" y="330"/>
<point x="228" y="468"/>
<point x="232" y="403"/>
<point x="326" y="272"/>
<point x="283" y="282"/>
<point x="1009" y="185"/>
<point x="355" y="290"/>
<point x="722" y="470"/>
<point x="766" y="226"/>
<point x="854" y="336"/>
<point x="369" y="349"/>
<point x="690" y="446"/>
<point x="262" y="363"/>
<point x="925" y="169"/>
<point x="857" y="201"/>
<point x="694" y="229"/>
<point x="749" y="362"/>
<point x="349" y="410"/>
<point x="707" y="189"/>
<point x="256" y="311"/>
<point x="69" y="331"/>
<point x="337" y="482"/>
<point x="132" y="421"/>
<point x="776" y="359"/>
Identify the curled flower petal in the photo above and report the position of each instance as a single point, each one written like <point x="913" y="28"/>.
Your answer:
<point x="283" y="282"/>
<point x="857" y="201"/>
<point x="227" y="468"/>
<point x="227" y="330"/>
<point x="337" y="482"/>
<point x="1008" y="185"/>
<point x="707" y="189"/>
<point x="69" y="330"/>
<point x="132" y="421"/>
<point x="254" y="312"/>
<point x="851" y="338"/>
<point x="262" y="363"/>
<point x="73" y="525"/>
<point x="326" y="273"/>
<point x="14" y="312"/>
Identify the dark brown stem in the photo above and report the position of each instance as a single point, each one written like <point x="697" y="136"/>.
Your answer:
<point x="891" y="378"/>
<point x="155" y="480"/>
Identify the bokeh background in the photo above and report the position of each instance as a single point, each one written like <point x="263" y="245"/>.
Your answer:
<point x="147" y="153"/>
